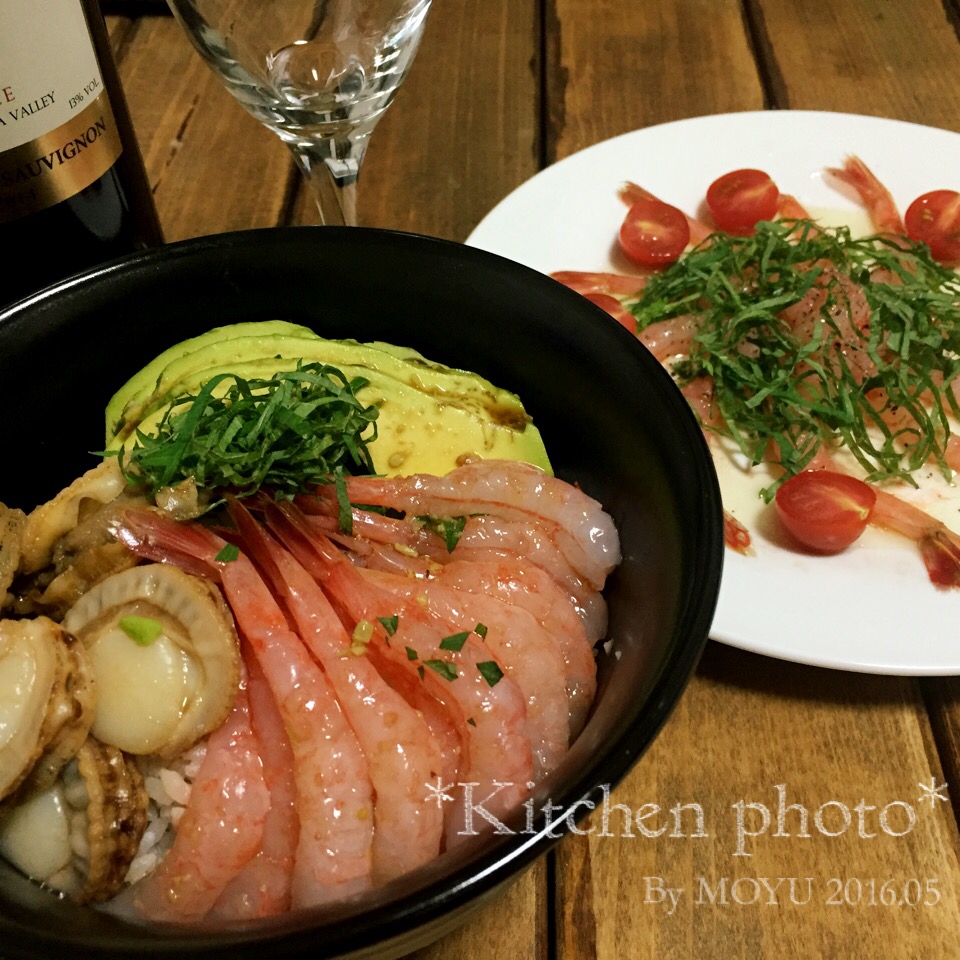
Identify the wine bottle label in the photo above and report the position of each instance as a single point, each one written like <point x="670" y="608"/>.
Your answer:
<point x="57" y="130"/>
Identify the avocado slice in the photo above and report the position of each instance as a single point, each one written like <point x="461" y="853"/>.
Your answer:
<point x="418" y="430"/>
<point x="133" y="396"/>
<point x="188" y="372"/>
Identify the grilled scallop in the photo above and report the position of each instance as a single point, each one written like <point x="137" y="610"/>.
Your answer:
<point x="49" y="523"/>
<point x="67" y="544"/>
<point x="81" y="834"/>
<point x="166" y="655"/>
<point x="79" y="574"/>
<point x="47" y="702"/>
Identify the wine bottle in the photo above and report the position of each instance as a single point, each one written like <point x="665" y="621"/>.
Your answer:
<point x="73" y="189"/>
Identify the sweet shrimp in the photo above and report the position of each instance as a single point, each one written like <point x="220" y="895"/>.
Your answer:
<point x="487" y="709"/>
<point x="262" y="887"/>
<point x="527" y="651"/>
<point x="401" y="753"/>
<point x="513" y="491"/>
<point x="221" y="829"/>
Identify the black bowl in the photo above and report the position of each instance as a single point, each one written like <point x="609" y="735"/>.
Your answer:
<point x="612" y="420"/>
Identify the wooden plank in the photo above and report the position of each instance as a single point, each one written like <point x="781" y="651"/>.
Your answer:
<point x="877" y="57"/>
<point x="942" y="697"/>
<point x="510" y="927"/>
<point x="745" y="726"/>
<point x="613" y="67"/>
<point x="211" y="165"/>
<point x="463" y="130"/>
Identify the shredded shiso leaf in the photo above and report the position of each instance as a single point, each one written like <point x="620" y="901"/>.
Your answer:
<point x="289" y="433"/>
<point x="780" y="397"/>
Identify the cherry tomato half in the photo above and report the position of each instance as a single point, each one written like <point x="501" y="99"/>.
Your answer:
<point x="653" y="233"/>
<point x="823" y="510"/>
<point x="615" y="308"/>
<point x="739" y="200"/>
<point x="934" y="219"/>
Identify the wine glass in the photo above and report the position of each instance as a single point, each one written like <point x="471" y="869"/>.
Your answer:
<point x="319" y="73"/>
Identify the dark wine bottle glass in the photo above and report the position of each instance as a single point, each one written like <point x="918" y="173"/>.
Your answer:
<point x="73" y="189"/>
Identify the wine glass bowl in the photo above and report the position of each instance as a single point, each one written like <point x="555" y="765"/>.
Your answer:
<point x="318" y="73"/>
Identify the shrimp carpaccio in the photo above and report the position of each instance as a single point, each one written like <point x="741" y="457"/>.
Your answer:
<point x="442" y="639"/>
<point x="799" y="345"/>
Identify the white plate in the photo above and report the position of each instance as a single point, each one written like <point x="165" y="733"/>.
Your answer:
<point x="872" y="608"/>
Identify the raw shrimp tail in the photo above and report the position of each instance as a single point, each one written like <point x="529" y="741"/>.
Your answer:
<point x="187" y="546"/>
<point x="735" y="535"/>
<point x="938" y="545"/>
<point x="941" y="557"/>
<point x="874" y="196"/>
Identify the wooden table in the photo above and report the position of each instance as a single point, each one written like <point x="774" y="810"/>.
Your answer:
<point x="499" y="90"/>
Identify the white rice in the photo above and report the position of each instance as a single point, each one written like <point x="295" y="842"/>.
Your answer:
<point x="168" y="785"/>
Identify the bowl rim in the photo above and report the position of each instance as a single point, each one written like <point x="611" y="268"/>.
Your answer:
<point x="501" y="861"/>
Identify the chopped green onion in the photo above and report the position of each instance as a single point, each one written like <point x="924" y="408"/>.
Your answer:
<point x="389" y="624"/>
<point x="446" y="669"/>
<point x="228" y="554"/>
<point x="448" y="528"/>
<point x="490" y="671"/>
<point x="455" y="641"/>
<point x="143" y="631"/>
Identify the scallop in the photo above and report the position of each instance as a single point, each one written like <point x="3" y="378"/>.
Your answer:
<point x="81" y="573"/>
<point x="166" y="655"/>
<point x="81" y="834"/>
<point x="48" y="698"/>
<point x="51" y="521"/>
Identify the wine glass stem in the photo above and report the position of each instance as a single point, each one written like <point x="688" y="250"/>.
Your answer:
<point x="332" y="167"/>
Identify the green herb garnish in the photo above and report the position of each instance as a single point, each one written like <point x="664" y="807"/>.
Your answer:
<point x="446" y="669"/>
<point x="448" y="528"/>
<point x="389" y="624"/>
<point x="228" y="554"/>
<point x="412" y="654"/>
<point x="490" y="671"/>
<point x="143" y="631"/>
<point x="881" y="387"/>
<point x="291" y="432"/>
<point x="454" y="641"/>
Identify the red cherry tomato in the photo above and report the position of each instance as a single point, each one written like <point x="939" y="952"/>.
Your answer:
<point x="825" y="511"/>
<point x="934" y="219"/>
<point x="653" y="233"/>
<point x="739" y="200"/>
<point x="615" y="308"/>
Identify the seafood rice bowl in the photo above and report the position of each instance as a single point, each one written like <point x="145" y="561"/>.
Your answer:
<point x="325" y="696"/>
